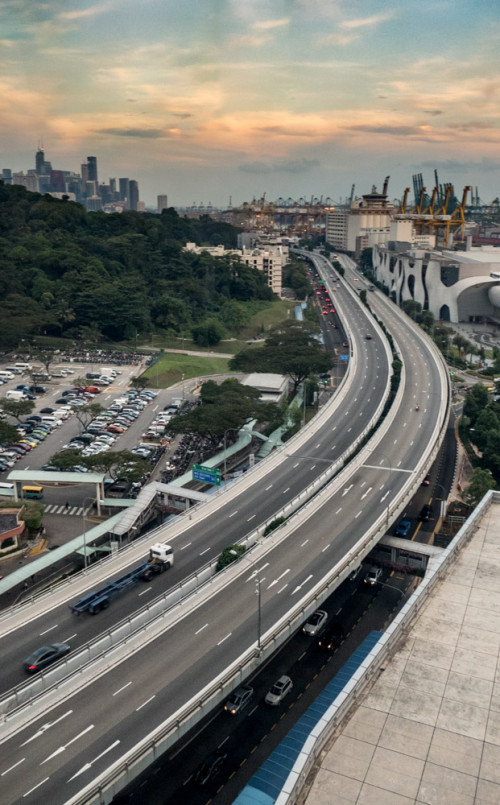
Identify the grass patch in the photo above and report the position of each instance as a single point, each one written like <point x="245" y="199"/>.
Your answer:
<point x="170" y="368"/>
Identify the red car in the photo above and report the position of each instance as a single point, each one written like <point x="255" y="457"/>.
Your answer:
<point x="93" y="390"/>
<point x="115" y="429"/>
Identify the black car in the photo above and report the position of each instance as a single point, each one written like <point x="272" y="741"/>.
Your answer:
<point x="426" y="513"/>
<point x="47" y="410"/>
<point x="38" y="389"/>
<point x="331" y="638"/>
<point x="44" y="656"/>
<point x="209" y="769"/>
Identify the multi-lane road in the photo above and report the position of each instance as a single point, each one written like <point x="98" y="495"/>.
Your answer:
<point x="66" y="749"/>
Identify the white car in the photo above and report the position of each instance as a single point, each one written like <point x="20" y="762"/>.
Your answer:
<point x="315" y="623"/>
<point x="279" y="690"/>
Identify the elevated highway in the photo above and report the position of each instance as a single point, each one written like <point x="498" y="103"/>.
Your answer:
<point x="61" y="755"/>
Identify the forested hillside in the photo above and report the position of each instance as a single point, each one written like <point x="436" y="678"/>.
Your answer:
<point x="67" y="272"/>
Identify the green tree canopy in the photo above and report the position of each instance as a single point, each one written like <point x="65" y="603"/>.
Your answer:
<point x="225" y="406"/>
<point x="17" y="409"/>
<point x="292" y="349"/>
<point x="482" y="481"/>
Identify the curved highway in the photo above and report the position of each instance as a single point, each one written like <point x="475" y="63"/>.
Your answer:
<point x="59" y="754"/>
<point x="226" y="520"/>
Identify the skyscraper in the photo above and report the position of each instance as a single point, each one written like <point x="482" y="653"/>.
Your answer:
<point x="134" y="194"/>
<point x="124" y="189"/>
<point x="161" y="203"/>
<point x="39" y="160"/>
<point x="92" y="169"/>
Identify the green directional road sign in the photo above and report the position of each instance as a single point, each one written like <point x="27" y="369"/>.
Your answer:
<point x="208" y="475"/>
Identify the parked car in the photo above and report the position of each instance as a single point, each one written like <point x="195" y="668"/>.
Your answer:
<point x="426" y="513"/>
<point x="279" y="690"/>
<point x="373" y="576"/>
<point x="44" y="656"/>
<point x="238" y="700"/>
<point x="331" y="638"/>
<point x="403" y="529"/>
<point x="315" y="623"/>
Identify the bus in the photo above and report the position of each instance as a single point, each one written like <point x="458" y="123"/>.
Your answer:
<point x="35" y="492"/>
<point x="6" y="489"/>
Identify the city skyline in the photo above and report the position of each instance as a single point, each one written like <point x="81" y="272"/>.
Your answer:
<point x="209" y="100"/>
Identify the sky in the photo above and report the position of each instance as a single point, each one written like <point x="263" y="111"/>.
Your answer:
<point x="209" y="101"/>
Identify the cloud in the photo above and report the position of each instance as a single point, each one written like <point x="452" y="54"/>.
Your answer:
<point x="472" y="125"/>
<point x="455" y="165"/>
<point x="248" y="40"/>
<point x="337" y="39"/>
<point x="433" y="112"/>
<point x="391" y="130"/>
<point x="281" y="166"/>
<point x="92" y="11"/>
<point x="266" y="25"/>
<point x="148" y="134"/>
<point x="286" y="131"/>
<point x="367" y="22"/>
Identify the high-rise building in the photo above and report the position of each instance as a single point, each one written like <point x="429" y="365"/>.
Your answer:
<point x="7" y="176"/>
<point x="134" y="195"/>
<point x="57" y="182"/>
<point x="161" y="203"/>
<point x="124" y="189"/>
<point x="84" y="168"/>
<point x="39" y="161"/>
<point x="92" y="169"/>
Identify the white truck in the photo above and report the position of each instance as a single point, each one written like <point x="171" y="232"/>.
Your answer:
<point x="15" y="395"/>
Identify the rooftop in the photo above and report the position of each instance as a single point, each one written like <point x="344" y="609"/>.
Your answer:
<point x="428" y="728"/>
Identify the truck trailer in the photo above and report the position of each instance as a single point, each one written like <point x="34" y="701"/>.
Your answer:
<point x="161" y="558"/>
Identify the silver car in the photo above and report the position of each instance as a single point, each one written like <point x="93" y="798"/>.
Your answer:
<point x="279" y="690"/>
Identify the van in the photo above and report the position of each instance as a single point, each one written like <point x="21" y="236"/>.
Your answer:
<point x="51" y="420"/>
<point x="14" y="370"/>
<point x="106" y="370"/>
<point x="24" y="367"/>
<point x="15" y="395"/>
<point x="6" y="375"/>
<point x="41" y="376"/>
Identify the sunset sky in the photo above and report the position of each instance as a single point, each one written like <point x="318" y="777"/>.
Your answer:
<point x="207" y="99"/>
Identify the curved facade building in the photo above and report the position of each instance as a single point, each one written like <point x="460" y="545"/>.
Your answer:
<point x="461" y="286"/>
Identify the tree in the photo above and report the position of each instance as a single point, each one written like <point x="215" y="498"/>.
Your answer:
<point x="45" y="356"/>
<point x="17" y="409"/>
<point x="486" y="421"/>
<point x="8" y="433"/>
<point x="292" y="348"/>
<point x="86" y="414"/>
<point x="482" y="481"/>
<point x="118" y="464"/>
<point x="67" y="459"/>
<point x="225" y="407"/>
<point x="208" y="333"/>
<point x="140" y="382"/>
<point x="229" y="555"/>
<point x="475" y="401"/>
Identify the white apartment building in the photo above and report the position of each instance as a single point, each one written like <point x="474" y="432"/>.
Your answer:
<point x="270" y="259"/>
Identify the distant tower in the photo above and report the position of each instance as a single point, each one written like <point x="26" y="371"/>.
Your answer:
<point x="124" y="189"/>
<point x="92" y="169"/>
<point x="134" y="195"/>
<point x="39" y="160"/>
<point x="161" y="203"/>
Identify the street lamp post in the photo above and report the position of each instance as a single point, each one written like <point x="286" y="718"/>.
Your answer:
<point x="85" y="531"/>
<point x="225" y="444"/>
<point x="259" y="612"/>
